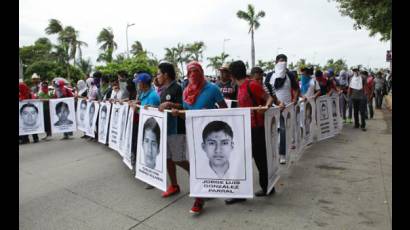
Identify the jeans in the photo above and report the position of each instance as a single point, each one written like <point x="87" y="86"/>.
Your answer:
<point x="359" y="105"/>
<point x="47" y="124"/>
<point x="259" y="155"/>
<point x="282" y="135"/>
<point x="379" y="98"/>
<point x="370" y="107"/>
<point x="350" y="104"/>
<point x="343" y="103"/>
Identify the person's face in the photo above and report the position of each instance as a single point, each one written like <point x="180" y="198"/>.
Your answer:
<point x="63" y="115"/>
<point x="29" y="115"/>
<point x="151" y="148"/>
<point x="218" y="147"/>
<point x="143" y="87"/>
<point x="103" y="116"/>
<point x="91" y="115"/>
<point x="83" y="107"/>
<point x="194" y="75"/>
<point x="161" y="78"/>
<point x="225" y="76"/>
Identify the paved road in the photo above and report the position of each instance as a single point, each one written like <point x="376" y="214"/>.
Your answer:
<point x="341" y="183"/>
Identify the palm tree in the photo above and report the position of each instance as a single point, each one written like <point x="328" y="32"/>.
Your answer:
<point x="106" y="37"/>
<point x="223" y="57"/>
<point x="195" y="50"/>
<point x="182" y="56"/>
<point x="85" y="65"/>
<point x="171" y="56"/>
<point x="215" y="63"/>
<point x="253" y="19"/>
<point x="136" y="48"/>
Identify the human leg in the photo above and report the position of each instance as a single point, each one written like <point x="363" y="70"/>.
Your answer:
<point x="356" y="108"/>
<point x="362" y="109"/>
<point x="282" y="142"/>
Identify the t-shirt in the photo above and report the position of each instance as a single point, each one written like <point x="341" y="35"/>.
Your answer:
<point x="379" y="83"/>
<point x="284" y="93"/>
<point x="228" y="89"/>
<point x="207" y="99"/>
<point x="313" y="87"/>
<point x="149" y="98"/>
<point x="173" y="93"/>
<point x="245" y="100"/>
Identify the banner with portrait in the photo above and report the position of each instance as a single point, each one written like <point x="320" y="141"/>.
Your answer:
<point x="336" y="117"/>
<point x="272" y="117"/>
<point x="298" y="130"/>
<point x="114" y="130"/>
<point x="31" y="117"/>
<point x="151" y="160"/>
<point x="122" y="128"/>
<point x="308" y="121"/>
<point x="82" y="105"/>
<point x="62" y="115"/>
<point x="220" y="153"/>
<point x="128" y="138"/>
<point x="92" y="115"/>
<point x="288" y="116"/>
<point x="324" y="117"/>
<point x="103" y="121"/>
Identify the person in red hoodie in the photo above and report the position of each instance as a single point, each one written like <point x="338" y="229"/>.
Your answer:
<point x="61" y="91"/>
<point x="25" y="94"/>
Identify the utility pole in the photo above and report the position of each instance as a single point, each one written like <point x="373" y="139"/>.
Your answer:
<point x="126" y="34"/>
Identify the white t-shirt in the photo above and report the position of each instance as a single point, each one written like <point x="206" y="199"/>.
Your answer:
<point x="284" y="94"/>
<point x="313" y="86"/>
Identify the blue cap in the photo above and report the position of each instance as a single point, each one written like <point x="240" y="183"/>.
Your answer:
<point x="142" y="77"/>
<point x="330" y="71"/>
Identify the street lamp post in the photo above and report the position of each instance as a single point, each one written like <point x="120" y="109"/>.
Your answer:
<point x="223" y="44"/>
<point x="126" y="34"/>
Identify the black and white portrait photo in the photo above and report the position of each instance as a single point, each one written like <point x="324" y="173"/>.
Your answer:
<point x="325" y="120"/>
<point x="337" y="119"/>
<point x="92" y="115"/>
<point x="31" y="117"/>
<point x="151" y="158"/>
<point x="103" y="122"/>
<point x="122" y="128"/>
<point x="128" y="139"/>
<point x="272" y="117"/>
<point x="217" y="143"/>
<point x="309" y="123"/>
<point x="114" y="132"/>
<point x="288" y="114"/>
<point x="62" y="115"/>
<point x="81" y="113"/>
<point x="298" y="130"/>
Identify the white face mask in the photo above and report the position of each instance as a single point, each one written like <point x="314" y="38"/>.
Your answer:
<point x="280" y="69"/>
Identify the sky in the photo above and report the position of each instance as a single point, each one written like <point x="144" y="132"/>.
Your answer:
<point x="310" y="29"/>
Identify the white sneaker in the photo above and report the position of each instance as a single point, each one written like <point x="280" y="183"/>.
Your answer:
<point x="282" y="159"/>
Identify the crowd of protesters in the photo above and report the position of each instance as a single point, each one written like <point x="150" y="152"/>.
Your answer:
<point x="281" y="87"/>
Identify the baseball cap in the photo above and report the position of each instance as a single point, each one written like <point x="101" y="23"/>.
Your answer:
<point x="225" y="66"/>
<point x="142" y="77"/>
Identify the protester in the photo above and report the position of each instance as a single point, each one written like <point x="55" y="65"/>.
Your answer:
<point x="93" y="92"/>
<point x="331" y="82"/>
<point x="25" y="94"/>
<point x="309" y="86"/>
<point x="122" y="84"/>
<point x="369" y="91"/>
<point x="44" y="94"/>
<point x="35" y="80"/>
<point x="61" y="91"/>
<point x="105" y="87"/>
<point x="226" y="84"/>
<point x="343" y="99"/>
<point x="171" y="98"/>
<point x="357" y="94"/>
<point x="282" y="83"/>
<point x="252" y="94"/>
<point x="200" y="94"/>
<point x="380" y="89"/>
<point x="257" y="74"/>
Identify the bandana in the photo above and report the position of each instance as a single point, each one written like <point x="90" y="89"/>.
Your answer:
<point x="305" y="84"/>
<point x="279" y="76"/>
<point x="24" y="91"/>
<point x="196" y="83"/>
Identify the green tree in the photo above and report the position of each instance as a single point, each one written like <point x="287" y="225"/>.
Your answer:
<point x="136" y="48"/>
<point x="253" y="20"/>
<point x="182" y="56"/>
<point x="337" y="65"/>
<point x="195" y="50"/>
<point x="41" y="50"/>
<point x="375" y="15"/>
<point x="215" y="63"/>
<point x="131" y="66"/>
<point x="85" y="65"/>
<point x="171" y="57"/>
<point x="108" y="45"/>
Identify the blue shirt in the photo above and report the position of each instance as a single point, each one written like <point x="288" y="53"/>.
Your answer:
<point x="149" y="98"/>
<point x="209" y="96"/>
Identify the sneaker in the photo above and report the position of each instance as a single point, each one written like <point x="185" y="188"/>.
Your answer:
<point x="171" y="190"/>
<point x="234" y="200"/>
<point x="262" y="193"/>
<point x="147" y="186"/>
<point x="282" y="159"/>
<point x="364" y="129"/>
<point x="198" y="206"/>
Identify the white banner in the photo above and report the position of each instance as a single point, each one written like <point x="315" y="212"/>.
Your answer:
<point x="122" y="128"/>
<point x="151" y="162"/>
<point x="220" y="153"/>
<point x="62" y="115"/>
<point x="298" y="130"/>
<point x="114" y="132"/>
<point x="91" y="118"/>
<point x="31" y="117"/>
<point x="308" y="121"/>
<point x="81" y="114"/>
<point x="103" y="121"/>
<point x="128" y="138"/>
<point x="324" y="118"/>
<point x="337" y="119"/>
<point x="272" y="117"/>
<point x="288" y="114"/>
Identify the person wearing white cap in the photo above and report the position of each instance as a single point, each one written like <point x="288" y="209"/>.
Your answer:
<point x="35" y="79"/>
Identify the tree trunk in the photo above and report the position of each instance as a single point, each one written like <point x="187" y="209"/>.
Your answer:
<point x="253" y="50"/>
